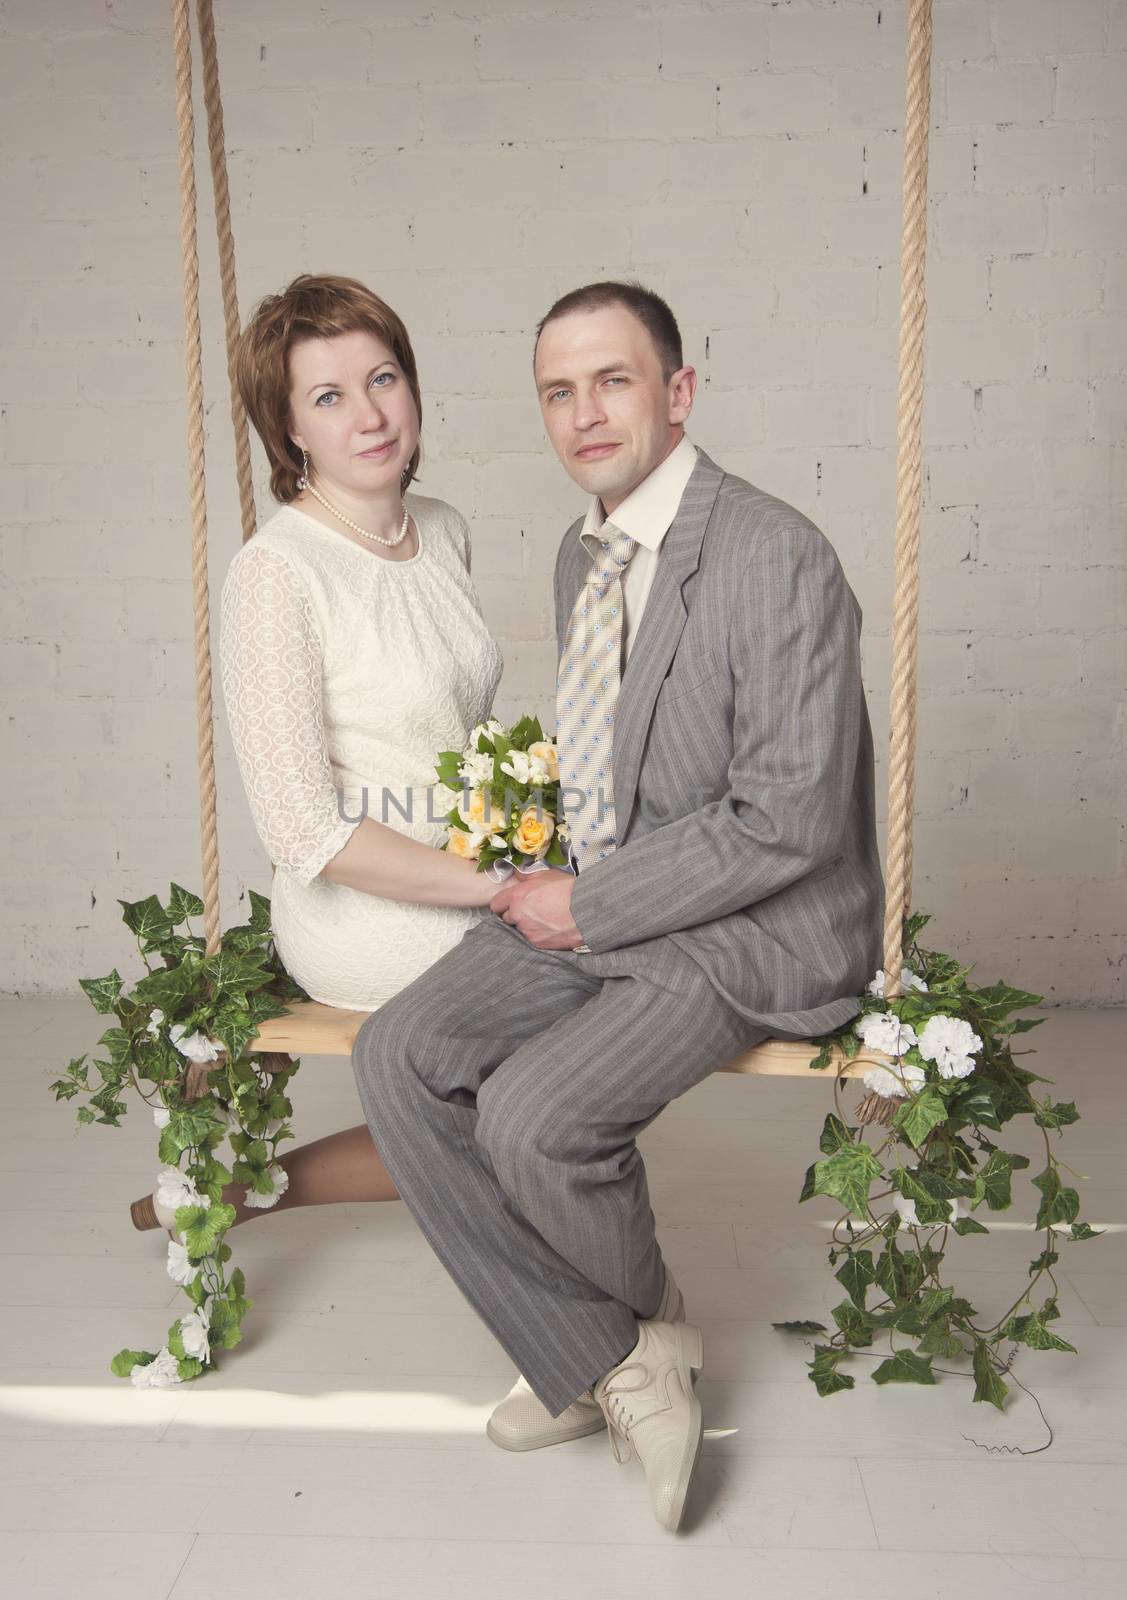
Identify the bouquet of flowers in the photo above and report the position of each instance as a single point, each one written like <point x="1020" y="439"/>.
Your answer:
<point x="508" y="784"/>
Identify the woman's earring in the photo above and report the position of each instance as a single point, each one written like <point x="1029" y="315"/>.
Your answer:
<point x="303" y="481"/>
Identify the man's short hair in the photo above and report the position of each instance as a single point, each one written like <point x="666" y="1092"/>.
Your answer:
<point x="649" y="308"/>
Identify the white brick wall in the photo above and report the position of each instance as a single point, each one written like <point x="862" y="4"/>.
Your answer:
<point x="471" y="161"/>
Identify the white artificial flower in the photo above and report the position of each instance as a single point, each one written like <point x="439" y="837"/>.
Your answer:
<point x="162" y="1116"/>
<point x="263" y="1202"/>
<point x="908" y="1218"/>
<point x="950" y="1042"/>
<point x="180" y="1269"/>
<point x="518" y="765"/>
<point x="194" y="1332"/>
<point x="882" y="1080"/>
<point x="159" y="1374"/>
<point x="176" y="1189"/>
<point x="489" y="729"/>
<point x="537" y="772"/>
<point x="476" y="771"/>
<point x="908" y="981"/>
<point x="154" y="1022"/>
<point x="196" y="1046"/>
<point x="884" y="1031"/>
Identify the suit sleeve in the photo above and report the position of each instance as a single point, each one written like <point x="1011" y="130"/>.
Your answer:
<point x="795" y="655"/>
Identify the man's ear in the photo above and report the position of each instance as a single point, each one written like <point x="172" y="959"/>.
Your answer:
<point x="682" y="392"/>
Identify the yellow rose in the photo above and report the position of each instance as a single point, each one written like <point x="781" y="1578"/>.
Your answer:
<point x="534" y="835"/>
<point x="482" y="813"/>
<point x="466" y="845"/>
<point x="544" y="750"/>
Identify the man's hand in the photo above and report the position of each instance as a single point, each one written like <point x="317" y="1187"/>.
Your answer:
<point x="539" y="905"/>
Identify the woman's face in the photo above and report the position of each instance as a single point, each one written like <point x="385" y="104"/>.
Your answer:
<point x="352" y="410"/>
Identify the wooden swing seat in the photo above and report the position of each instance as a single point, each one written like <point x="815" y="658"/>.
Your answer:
<point x="313" y="1029"/>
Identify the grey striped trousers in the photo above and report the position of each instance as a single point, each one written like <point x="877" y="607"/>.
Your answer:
<point x="505" y="1089"/>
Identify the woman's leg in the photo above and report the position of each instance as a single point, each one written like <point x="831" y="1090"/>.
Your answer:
<point x="341" y="1167"/>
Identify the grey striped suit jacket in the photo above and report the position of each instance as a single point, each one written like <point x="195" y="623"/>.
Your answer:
<point x="742" y="763"/>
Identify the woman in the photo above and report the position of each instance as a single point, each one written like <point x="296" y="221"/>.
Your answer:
<point x="352" y="650"/>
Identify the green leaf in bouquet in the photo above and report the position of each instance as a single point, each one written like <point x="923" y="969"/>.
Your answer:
<point x="188" y="1367"/>
<point x="102" y="992"/>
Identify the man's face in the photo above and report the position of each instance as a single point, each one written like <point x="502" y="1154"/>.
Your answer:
<point x="610" y="414"/>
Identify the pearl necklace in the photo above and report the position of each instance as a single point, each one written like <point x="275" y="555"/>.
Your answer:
<point x="378" y="537"/>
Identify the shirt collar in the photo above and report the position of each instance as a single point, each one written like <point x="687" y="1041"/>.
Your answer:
<point x="648" y="511"/>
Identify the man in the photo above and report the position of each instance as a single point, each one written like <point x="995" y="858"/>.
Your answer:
<point x="717" y="766"/>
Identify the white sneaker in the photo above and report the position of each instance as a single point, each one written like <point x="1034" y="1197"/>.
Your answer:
<point x="652" y="1409"/>
<point x="521" y="1421"/>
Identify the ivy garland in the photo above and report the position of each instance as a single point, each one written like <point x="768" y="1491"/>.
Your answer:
<point x="191" y="1010"/>
<point x="957" y="1075"/>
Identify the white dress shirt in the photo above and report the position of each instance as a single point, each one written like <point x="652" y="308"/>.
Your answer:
<point x="646" y="515"/>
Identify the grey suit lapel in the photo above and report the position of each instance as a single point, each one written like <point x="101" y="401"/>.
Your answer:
<point x="659" y="632"/>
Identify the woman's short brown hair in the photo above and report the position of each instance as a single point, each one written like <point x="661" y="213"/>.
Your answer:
<point x="311" y="307"/>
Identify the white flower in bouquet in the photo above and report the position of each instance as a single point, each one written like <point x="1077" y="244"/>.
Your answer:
<point x="882" y="1080"/>
<point x="884" y="1031"/>
<point x="162" y="1116"/>
<point x="176" y="1189"/>
<point x="518" y="764"/>
<point x="908" y="981"/>
<point x="475" y="771"/>
<point x="194" y="1332"/>
<point x="196" y="1046"/>
<point x="159" y="1374"/>
<point x="489" y="729"/>
<point x="263" y="1202"/>
<point x="180" y="1269"/>
<point x="154" y="1023"/>
<point x="950" y="1042"/>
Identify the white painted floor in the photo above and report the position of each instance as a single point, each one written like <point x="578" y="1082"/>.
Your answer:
<point x="340" y="1451"/>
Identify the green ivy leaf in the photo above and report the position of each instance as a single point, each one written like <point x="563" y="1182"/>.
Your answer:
<point x="848" y="1176"/>
<point x="904" y="1367"/>
<point x="800" y="1327"/>
<point x="940" y="1341"/>
<point x="823" y="1372"/>
<point x="1047" y="1258"/>
<point x="969" y="1225"/>
<point x="1059" y="1115"/>
<point x="855" y="1275"/>
<point x="855" y="1324"/>
<point x="102" y="992"/>
<point x="834" y="1135"/>
<point x="1058" y="1204"/>
<point x="996" y="1177"/>
<point x="1031" y="1330"/>
<point x="919" y="1114"/>
<point x="182" y="904"/>
<point x="988" y="1385"/>
<point x="1083" y="1230"/>
<point x="147" y="919"/>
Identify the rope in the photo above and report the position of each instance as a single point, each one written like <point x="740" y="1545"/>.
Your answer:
<point x="909" y="484"/>
<point x="205" y="733"/>
<point x="217" y="149"/>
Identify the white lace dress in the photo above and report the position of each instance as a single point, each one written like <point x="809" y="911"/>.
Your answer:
<point x="344" y="673"/>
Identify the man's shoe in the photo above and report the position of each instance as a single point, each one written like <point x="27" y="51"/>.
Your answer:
<point x="523" y="1422"/>
<point x="652" y="1409"/>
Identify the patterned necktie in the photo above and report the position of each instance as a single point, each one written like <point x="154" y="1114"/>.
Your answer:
<point x="587" y="693"/>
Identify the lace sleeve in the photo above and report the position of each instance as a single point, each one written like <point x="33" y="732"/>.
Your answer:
<point x="461" y="535"/>
<point x="271" y="659"/>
